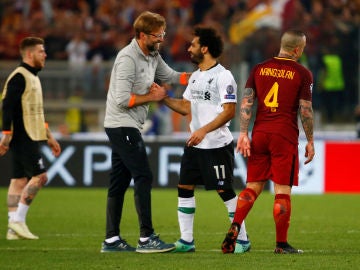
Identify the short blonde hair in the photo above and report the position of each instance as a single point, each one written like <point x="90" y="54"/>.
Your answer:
<point x="292" y="39"/>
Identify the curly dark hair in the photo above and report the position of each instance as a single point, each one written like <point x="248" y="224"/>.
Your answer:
<point x="208" y="37"/>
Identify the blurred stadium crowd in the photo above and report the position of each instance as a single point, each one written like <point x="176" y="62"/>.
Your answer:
<point x="87" y="34"/>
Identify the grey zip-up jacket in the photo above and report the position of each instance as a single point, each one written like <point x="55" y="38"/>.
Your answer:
<point x="133" y="73"/>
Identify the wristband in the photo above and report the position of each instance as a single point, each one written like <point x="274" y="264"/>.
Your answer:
<point x="131" y="101"/>
<point x="7" y="132"/>
<point x="183" y="79"/>
<point x="46" y="125"/>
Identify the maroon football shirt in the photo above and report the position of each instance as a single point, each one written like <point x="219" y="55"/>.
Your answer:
<point x="279" y="84"/>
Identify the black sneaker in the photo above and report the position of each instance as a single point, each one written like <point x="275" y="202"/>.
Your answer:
<point x="154" y="245"/>
<point x="228" y="245"/>
<point x="285" y="248"/>
<point x="118" y="245"/>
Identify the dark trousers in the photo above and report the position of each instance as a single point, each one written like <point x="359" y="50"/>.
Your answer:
<point x="129" y="160"/>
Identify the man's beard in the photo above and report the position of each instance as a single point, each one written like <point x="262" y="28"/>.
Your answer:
<point x="197" y="58"/>
<point x="38" y="64"/>
<point x="153" y="47"/>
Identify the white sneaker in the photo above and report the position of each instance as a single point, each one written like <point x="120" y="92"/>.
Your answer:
<point x="11" y="235"/>
<point x="22" y="230"/>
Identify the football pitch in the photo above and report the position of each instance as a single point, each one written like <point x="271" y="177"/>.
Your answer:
<point x="71" y="224"/>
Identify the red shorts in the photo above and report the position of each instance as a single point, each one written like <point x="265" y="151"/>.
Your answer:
<point x="273" y="158"/>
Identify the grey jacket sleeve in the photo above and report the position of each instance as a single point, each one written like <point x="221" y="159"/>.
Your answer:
<point x="166" y="74"/>
<point x="124" y="79"/>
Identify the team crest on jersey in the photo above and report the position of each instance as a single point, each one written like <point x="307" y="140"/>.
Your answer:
<point x="207" y="95"/>
<point x="230" y="92"/>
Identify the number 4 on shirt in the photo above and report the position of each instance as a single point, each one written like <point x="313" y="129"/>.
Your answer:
<point x="271" y="97"/>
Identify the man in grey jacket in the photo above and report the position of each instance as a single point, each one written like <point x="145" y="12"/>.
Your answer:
<point x="132" y="87"/>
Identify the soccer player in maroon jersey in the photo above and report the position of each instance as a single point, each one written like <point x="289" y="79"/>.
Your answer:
<point x="283" y="89"/>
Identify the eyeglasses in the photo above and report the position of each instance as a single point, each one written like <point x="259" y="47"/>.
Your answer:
<point x="162" y="35"/>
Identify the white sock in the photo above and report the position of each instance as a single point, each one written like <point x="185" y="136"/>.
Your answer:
<point x="243" y="234"/>
<point x="21" y="212"/>
<point x="11" y="216"/>
<point x="231" y="207"/>
<point x="144" y="239"/>
<point x="112" y="239"/>
<point x="186" y="214"/>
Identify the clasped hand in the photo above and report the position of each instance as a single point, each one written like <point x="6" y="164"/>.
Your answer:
<point x="157" y="92"/>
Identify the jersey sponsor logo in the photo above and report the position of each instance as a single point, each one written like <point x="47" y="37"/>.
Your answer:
<point x="197" y="94"/>
<point x="277" y="73"/>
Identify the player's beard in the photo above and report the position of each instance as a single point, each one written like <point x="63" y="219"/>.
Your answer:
<point x="197" y="58"/>
<point x="38" y="63"/>
<point x="153" y="47"/>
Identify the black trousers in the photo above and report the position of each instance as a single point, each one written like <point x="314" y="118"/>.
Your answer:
<point x="129" y="161"/>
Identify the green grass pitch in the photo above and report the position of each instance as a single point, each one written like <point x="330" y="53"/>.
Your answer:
<point x="71" y="224"/>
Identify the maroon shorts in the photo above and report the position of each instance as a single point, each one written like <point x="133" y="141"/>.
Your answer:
<point x="273" y="158"/>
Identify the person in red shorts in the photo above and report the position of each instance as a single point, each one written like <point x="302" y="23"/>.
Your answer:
<point x="283" y="90"/>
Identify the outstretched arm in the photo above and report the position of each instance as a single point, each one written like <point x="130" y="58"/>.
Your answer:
<point x="246" y="106"/>
<point x="178" y="105"/>
<point x="156" y="93"/>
